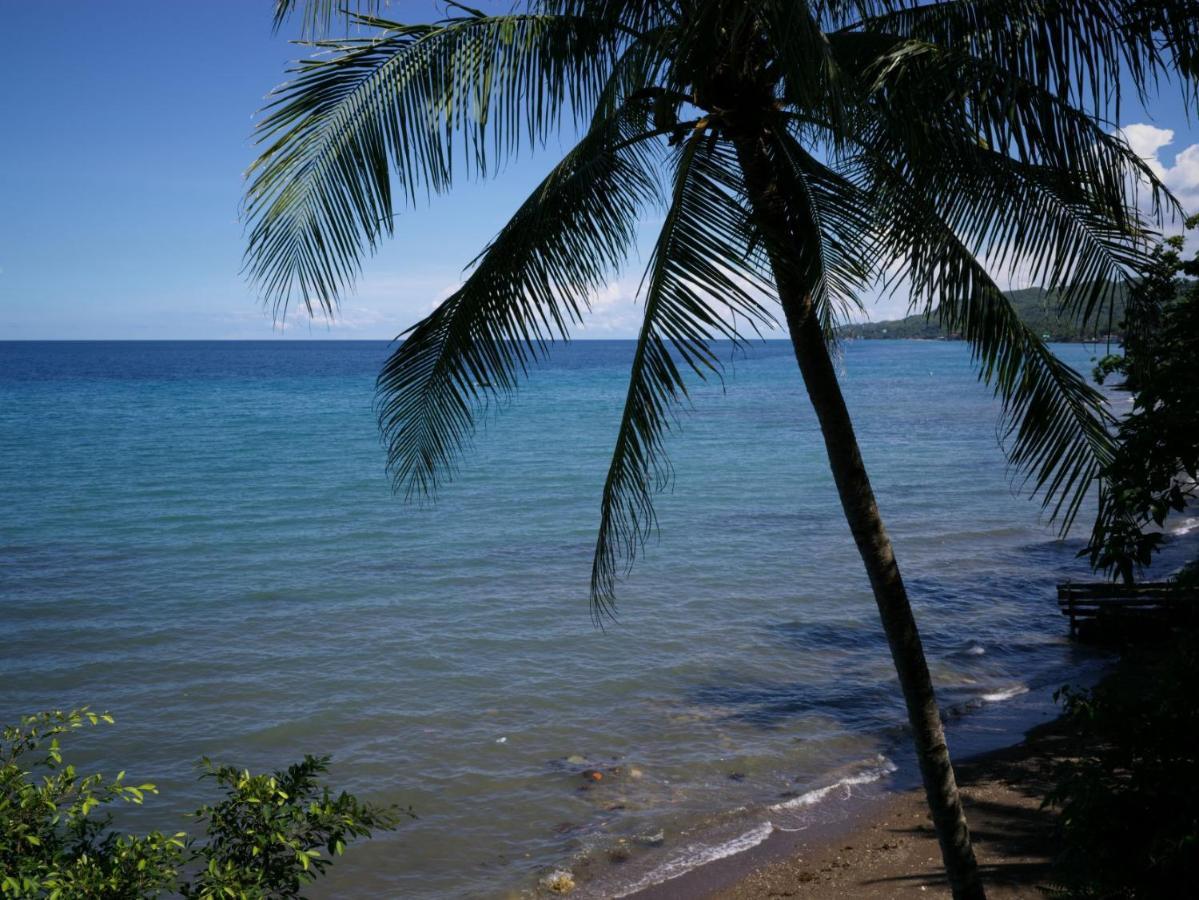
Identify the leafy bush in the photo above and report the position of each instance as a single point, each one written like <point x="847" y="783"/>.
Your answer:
<point x="1156" y="462"/>
<point x="269" y="837"/>
<point x="1129" y="789"/>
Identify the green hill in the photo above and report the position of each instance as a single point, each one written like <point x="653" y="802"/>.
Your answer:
<point x="1036" y="307"/>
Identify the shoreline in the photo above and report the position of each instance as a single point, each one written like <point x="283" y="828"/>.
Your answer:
<point x="885" y="846"/>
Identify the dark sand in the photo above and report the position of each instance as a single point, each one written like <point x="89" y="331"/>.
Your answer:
<point x="889" y="849"/>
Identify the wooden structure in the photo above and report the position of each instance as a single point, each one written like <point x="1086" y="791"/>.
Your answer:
<point x="1114" y="608"/>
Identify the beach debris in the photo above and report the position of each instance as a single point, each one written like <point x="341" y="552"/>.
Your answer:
<point x="575" y="760"/>
<point x="635" y="773"/>
<point x="502" y="740"/>
<point x="657" y="839"/>
<point x="559" y="882"/>
<point x="593" y="775"/>
<point x="620" y="852"/>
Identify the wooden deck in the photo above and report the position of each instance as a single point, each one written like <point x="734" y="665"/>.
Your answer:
<point x="1155" y="605"/>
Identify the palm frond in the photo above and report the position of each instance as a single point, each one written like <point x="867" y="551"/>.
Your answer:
<point x="1075" y="48"/>
<point x="811" y="78"/>
<point x="932" y="97"/>
<point x="1053" y="228"/>
<point x="1082" y="49"/>
<point x="318" y="17"/>
<point x="841" y="230"/>
<point x="699" y="282"/>
<point x="1056" y="428"/>
<point x="527" y="288"/>
<point x="633" y="17"/>
<point x="639" y="69"/>
<point x="1174" y="26"/>
<point x="385" y="115"/>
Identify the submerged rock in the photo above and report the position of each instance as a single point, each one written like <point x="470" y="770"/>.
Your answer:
<point x="620" y="852"/>
<point x="559" y="882"/>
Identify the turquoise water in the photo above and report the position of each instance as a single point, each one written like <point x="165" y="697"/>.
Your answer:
<point x="200" y="537"/>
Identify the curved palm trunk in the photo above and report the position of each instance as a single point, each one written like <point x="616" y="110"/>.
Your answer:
<point x="861" y="511"/>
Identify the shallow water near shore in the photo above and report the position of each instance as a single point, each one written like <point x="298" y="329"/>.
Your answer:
<point x="200" y="537"/>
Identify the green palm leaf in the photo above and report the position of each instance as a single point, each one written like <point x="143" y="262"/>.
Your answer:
<point x="1058" y="232"/>
<point x="385" y="114"/>
<point x="1057" y="430"/>
<point x="526" y="289"/>
<point x="699" y="282"/>
<point x="929" y="94"/>
<point x="840" y="229"/>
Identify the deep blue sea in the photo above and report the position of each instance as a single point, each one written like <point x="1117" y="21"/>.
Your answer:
<point x="201" y="538"/>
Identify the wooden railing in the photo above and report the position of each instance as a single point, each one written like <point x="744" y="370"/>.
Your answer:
<point x="1115" y="606"/>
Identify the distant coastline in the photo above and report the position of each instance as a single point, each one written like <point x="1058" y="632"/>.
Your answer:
<point x="1036" y="307"/>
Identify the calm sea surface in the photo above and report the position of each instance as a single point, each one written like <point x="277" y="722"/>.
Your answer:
<point x="200" y="537"/>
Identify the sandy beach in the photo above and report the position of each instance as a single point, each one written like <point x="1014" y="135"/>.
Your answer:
<point x="889" y="850"/>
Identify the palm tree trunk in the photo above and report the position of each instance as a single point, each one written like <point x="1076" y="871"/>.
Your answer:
<point x="770" y="208"/>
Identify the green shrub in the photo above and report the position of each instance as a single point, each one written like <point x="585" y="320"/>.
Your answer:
<point x="1154" y="469"/>
<point x="1129" y="789"/>
<point x="269" y="837"/>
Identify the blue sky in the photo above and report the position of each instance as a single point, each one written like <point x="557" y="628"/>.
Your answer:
<point x="128" y="126"/>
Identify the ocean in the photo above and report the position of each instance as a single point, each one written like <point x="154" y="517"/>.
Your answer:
<point x="200" y="537"/>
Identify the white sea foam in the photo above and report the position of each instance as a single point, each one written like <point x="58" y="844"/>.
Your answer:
<point x="1005" y="694"/>
<point x="1186" y="526"/>
<point x="694" y="855"/>
<point x="866" y="776"/>
<point x="976" y="650"/>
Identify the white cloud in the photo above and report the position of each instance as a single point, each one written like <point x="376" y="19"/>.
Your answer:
<point x="615" y="312"/>
<point x="1145" y="140"/>
<point x="1182" y="176"/>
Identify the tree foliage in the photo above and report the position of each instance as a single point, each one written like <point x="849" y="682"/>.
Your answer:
<point x="1126" y="784"/>
<point x="269" y="837"/>
<point x="928" y="144"/>
<point x="1155" y="465"/>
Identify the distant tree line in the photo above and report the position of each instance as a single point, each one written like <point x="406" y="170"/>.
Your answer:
<point x="1038" y="309"/>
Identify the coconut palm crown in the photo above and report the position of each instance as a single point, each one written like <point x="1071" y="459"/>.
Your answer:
<point x="801" y="154"/>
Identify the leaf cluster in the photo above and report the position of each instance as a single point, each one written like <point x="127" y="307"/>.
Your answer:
<point x="1154" y="468"/>
<point x="920" y="146"/>
<point x="269" y="837"/>
<point x="274" y="834"/>
<point x="1126" y="787"/>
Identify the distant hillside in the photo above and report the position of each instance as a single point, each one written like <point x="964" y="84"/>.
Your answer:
<point x="1037" y="308"/>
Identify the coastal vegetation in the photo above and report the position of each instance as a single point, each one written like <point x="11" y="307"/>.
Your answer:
<point x="269" y="836"/>
<point x="1155" y="467"/>
<point x="1125" y="783"/>
<point x="799" y="154"/>
<point x="1039" y="311"/>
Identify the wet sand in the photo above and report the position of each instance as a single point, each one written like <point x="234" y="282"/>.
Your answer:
<point x="888" y="848"/>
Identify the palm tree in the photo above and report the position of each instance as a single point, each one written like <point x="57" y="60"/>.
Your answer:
<point x="802" y="153"/>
